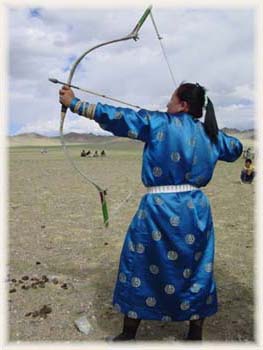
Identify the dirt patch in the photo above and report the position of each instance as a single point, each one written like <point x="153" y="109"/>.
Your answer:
<point x="56" y="231"/>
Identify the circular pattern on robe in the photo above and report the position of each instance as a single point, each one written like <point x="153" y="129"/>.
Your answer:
<point x="118" y="115"/>
<point x="154" y="269"/>
<point x="195" y="288"/>
<point x="157" y="172"/>
<point x="156" y="235"/>
<point x="175" y="156"/>
<point x="117" y="307"/>
<point x="177" y="122"/>
<point x="166" y="319"/>
<point x="190" y="204"/>
<point x="174" y="220"/>
<point x="172" y="255"/>
<point x="198" y="255"/>
<point x="185" y="305"/>
<point x="132" y="134"/>
<point x="141" y="214"/>
<point x="131" y="246"/>
<point x="169" y="289"/>
<point x="192" y="141"/>
<point x="194" y="317"/>
<point x="189" y="239"/>
<point x="158" y="200"/>
<point x="209" y="299"/>
<point x="150" y="301"/>
<point x="136" y="282"/>
<point x="140" y="248"/>
<point x="160" y="136"/>
<point x="187" y="273"/>
<point x="132" y="314"/>
<point x="209" y="267"/>
<point x="122" y="277"/>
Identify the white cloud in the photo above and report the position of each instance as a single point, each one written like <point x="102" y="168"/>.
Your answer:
<point x="236" y="116"/>
<point x="50" y="127"/>
<point x="214" y="47"/>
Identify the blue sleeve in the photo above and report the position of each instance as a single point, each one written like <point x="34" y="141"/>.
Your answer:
<point x="229" y="147"/>
<point x="123" y="122"/>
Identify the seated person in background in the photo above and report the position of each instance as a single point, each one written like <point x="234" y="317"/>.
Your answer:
<point x="88" y="153"/>
<point x="248" y="172"/>
<point x="103" y="153"/>
<point x="83" y="153"/>
<point x="95" y="154"/>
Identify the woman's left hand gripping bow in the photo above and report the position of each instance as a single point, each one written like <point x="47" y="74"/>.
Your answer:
<point x="66" y="95"/>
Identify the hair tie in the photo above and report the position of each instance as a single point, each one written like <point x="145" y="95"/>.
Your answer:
<point x="206" y="97"/>
<point x="206" y="101"/>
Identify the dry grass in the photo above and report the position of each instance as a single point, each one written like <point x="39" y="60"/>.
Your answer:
<point x="55" y="219"/>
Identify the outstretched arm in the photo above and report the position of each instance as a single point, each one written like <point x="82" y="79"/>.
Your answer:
<point x="230" y="148"/>
<point x="124" y="122"/>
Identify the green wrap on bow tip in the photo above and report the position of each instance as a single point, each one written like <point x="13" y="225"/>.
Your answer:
<point x="104" y="208"/>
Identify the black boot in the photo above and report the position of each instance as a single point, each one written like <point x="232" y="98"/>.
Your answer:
<point x="195" y="330"/>
<point x="130" y="326"/>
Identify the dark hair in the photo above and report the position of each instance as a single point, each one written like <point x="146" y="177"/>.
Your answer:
<point x="194" y="95"/>
<point x="248" y="160"/>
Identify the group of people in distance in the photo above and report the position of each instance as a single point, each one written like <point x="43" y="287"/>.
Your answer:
<point x="89" y="153"/>
<point x="247" y="173"/>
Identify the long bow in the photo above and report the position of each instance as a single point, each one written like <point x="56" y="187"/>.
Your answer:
<point x="133" y="35"/>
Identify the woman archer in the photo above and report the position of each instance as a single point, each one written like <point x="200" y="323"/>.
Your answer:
<point x="166" y="264"/>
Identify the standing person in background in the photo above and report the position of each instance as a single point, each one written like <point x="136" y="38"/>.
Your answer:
<point x="166" y="264"/>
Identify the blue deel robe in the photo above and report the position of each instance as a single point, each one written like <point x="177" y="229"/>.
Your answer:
<point x="166" y="264"/>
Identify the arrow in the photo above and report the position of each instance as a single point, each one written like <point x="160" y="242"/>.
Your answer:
<point x="56" y="81"/>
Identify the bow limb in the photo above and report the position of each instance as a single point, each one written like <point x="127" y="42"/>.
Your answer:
<point x="101" y="191"/>
<point x="133" y="35"/>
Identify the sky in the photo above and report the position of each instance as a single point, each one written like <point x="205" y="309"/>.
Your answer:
<point x="212" y="46"/>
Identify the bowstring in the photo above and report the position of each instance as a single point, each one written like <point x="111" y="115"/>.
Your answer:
<point x="131" y="194"/>
<point x="163" y="49"/>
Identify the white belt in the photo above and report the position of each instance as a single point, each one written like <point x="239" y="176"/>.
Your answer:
<point x="171" y="189"/>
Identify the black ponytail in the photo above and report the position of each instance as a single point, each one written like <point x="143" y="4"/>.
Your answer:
<point x="210" y="123"/>
<point x="194" y="95"/>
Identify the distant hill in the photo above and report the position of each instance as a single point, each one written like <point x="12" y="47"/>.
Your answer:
<point x="84" y="138"/>
<point x="31" y="139"/>
<point x="246" y="134"/>
<point x="29" y="135"/>
<point x="35" y="139"/>
<point x="230" y="130"/>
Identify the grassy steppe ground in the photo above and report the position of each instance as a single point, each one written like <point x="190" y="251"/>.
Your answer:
<point x="55" y="229"/>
